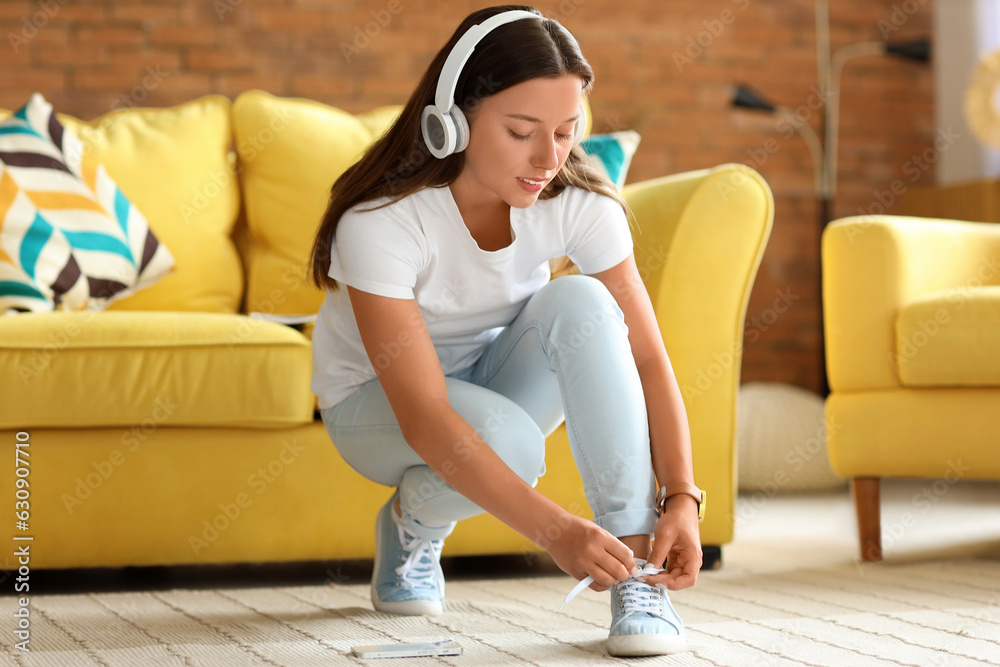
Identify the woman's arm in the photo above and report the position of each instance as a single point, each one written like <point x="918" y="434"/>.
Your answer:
<point x="415" y="387"/>
<point x="669" y="433"/>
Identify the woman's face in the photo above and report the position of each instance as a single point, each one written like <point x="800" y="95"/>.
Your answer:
<point x="520" y="138"/>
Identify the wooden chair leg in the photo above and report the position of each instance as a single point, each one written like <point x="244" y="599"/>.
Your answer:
<point x="866" y="505"/>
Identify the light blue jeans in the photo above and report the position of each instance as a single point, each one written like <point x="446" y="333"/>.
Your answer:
<point x="566" y="353"/>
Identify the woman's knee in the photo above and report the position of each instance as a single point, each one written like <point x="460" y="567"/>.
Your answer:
<point x="577" y="310"/>
<point x="506" y="428"/>
<point x="582" y="297"/>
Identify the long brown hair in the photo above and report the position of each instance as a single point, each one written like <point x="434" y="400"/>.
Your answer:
<point x="399" y="162"/>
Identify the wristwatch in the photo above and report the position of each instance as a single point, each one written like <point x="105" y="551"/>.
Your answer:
<point x="678" y="488"/>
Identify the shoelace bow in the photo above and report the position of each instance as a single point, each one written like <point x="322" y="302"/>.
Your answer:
<point x="634" y="593"/>
<point x="422" y="567"/>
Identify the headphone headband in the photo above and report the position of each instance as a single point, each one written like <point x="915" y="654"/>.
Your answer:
<point x="462" y="51"/>
<point x="443" y="126"/>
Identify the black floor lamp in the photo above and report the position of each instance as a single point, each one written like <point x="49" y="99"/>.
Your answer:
<point x="824" y="154"/>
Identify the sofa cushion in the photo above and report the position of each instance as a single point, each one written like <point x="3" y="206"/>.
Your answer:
<point x="290" y="153"/>
<point x="66" y="226"/>
<point x="950" y="338"/>
<point x="176" y="165"/>
<point x="147" y="369"/>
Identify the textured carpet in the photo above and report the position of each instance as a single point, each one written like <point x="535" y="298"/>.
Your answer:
<point x="776" y="601"/>
<point x="942" y="612"/>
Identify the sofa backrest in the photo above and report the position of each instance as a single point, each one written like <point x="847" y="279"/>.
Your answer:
<point x="290" y="152"/>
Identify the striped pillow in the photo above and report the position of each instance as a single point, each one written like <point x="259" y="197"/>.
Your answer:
<point x="69" y="238"/>
<point x="612" y="153"/>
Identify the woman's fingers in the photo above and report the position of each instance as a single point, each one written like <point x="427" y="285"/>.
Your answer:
<point x="584" y="548"/>
<point x="680" y="571"/>
<point x="611" y="570"/>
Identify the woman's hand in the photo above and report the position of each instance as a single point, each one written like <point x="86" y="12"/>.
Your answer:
<point x="678" y="543"/>
<point x="584" y="548"/>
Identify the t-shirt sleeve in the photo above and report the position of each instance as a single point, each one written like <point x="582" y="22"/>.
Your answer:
<point x="598" y="236"/>
<point x="377" y="252"/>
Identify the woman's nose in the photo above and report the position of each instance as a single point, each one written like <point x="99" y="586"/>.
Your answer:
<point x="546" y="155"/>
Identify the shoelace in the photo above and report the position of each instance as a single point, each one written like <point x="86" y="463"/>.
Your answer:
<point x="422" y="567"/>
<point x="630" y="591"/>
<point x="638" y="596"/>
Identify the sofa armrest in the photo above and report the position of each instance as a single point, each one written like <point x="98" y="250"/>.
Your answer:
<point x="699" y="238"/>
<point x="875" y="265"/>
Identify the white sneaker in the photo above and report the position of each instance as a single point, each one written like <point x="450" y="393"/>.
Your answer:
<point x="643" y="622"/>
<point x="407" y="577"/>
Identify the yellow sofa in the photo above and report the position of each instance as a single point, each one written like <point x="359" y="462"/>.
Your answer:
<point x="173" y="428"/>
<point x="912" y="324"/>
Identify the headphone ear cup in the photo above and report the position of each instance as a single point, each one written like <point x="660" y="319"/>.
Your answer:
<point x="438" y="131"/>
<point x="580" y="128"/>
<point x="462" y="133"/>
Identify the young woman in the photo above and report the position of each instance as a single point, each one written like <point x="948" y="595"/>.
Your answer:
<point x="444" y="354"/>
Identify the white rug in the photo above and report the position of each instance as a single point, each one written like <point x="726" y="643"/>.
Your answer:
<point x="942" y="612"/>
<point x="782" y="598"/>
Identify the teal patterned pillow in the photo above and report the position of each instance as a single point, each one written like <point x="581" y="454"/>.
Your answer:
<point x="69" y="238"/>
<point x="612" y="153"/>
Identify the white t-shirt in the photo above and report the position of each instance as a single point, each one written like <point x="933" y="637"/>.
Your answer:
<point x="419" y="248"/>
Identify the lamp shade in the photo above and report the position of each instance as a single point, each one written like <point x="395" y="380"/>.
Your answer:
<point x="919" y="50"/>
<point x="745" y="98"/>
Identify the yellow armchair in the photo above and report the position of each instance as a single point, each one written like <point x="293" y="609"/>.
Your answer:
<point x="912" y="325"/>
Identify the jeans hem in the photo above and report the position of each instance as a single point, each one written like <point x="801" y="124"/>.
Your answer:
<point x="628" y="522"/>
<point x="426" y="532"/>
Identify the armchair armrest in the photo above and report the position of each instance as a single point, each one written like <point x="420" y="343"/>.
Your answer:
<point x="875" y="265"/>
<point x="699" y="238"/>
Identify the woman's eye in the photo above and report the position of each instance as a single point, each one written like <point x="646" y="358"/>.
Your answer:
<point x="525" y="137"/>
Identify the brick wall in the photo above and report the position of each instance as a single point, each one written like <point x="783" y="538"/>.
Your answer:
<point x="663" y="68"/>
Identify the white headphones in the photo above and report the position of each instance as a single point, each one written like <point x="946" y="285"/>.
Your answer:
<point x="444" y="126"/>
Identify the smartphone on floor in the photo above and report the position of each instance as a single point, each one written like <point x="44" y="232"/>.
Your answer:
<point x="446" y="647"/>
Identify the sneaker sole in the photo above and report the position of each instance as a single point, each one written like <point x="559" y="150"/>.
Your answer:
<point x="633" y="645"/>
<point x="408" y="607"/>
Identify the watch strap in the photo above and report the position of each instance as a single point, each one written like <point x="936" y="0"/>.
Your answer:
<point x="678" y="488"/>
